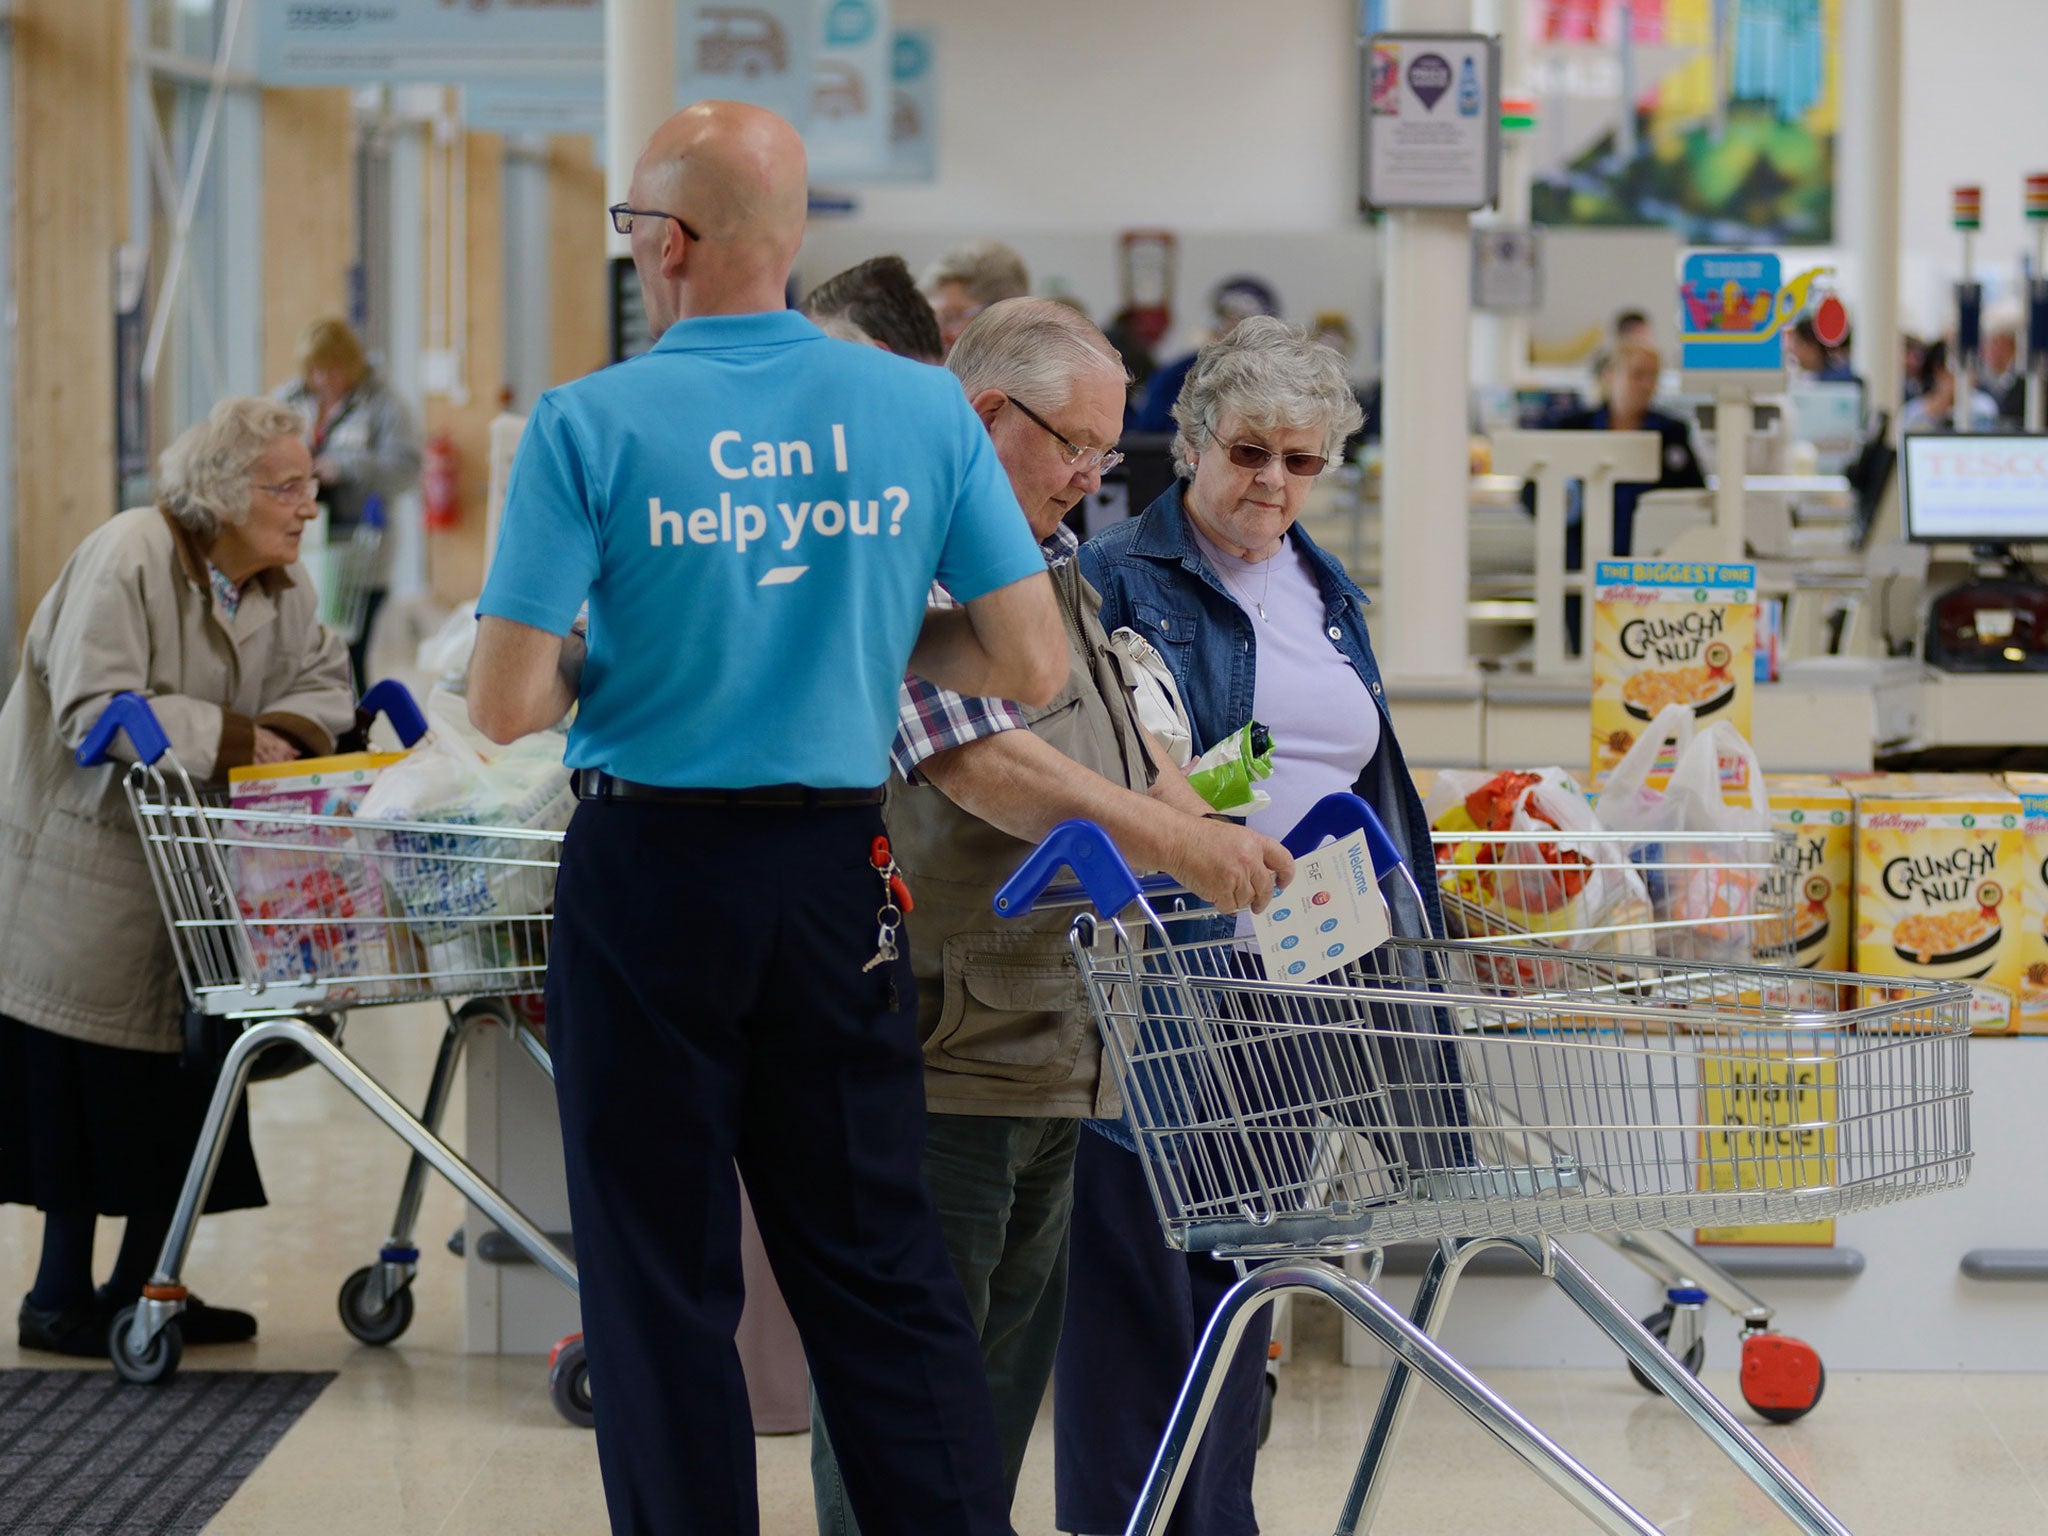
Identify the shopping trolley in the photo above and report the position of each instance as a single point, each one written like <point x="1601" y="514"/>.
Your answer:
<point x="350" y="575"/>
<point x="1719" y="896"/>
<point x="1428" y="1091"/>
<point x="278" y="919"/>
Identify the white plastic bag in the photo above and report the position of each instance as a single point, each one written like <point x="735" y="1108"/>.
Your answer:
<point x="448" y="881"/>
<point x="1154" y="694"/>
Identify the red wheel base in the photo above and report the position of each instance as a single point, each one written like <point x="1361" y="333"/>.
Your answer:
<point x="1782" y="1378"/>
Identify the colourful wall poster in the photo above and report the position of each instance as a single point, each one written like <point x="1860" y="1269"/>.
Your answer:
<point x="1715" y="118"/>
<point x="914" y="106"/>
<point x="1769" y="1122"/>
<point x="1728" y="310"/>
<point x="427" y="40"/>
<point x="851" y="97"/>
<point x="1669" y="632"/>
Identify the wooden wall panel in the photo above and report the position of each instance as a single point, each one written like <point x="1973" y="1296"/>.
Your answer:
<point x="579" y="339"/>
<point x="70" y="216"/>
<point x="455" y="557"/>
<point x="309" y="217"/>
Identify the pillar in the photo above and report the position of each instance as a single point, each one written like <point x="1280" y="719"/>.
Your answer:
<point x="1867" y="207"/>
<point x="639" y="88"/>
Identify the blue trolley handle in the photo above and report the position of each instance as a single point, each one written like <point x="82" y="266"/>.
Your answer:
<point x="1107" y="881"/>
<point x="130" y="712"/>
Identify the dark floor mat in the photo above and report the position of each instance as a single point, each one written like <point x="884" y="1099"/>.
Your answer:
<point x="84" y="1453"/>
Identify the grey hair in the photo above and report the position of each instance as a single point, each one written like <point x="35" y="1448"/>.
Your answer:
<point x="1032" y="350"/>
<point x="988" y="269"/>
<point x="202" y="479"/>
<point x="1271" y="376"/>
<point x="840" y="328"/>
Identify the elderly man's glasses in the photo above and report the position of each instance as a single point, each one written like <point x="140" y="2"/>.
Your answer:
<point x="623" y="217"/>
<point x="294" y="490"/>
<point x="1101" y="460"/>
<point x="1305" y="466"/>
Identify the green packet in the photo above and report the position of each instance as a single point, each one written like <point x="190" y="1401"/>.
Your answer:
<point x="1224" y="775"/>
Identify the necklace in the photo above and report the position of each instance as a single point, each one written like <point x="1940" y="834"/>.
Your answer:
<point x="1265" y="588"/>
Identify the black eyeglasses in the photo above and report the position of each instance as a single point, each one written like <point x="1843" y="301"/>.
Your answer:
<point x="623" y="217"/>
<point x="1101" y="460"/>
<point x="1305" y="466"/>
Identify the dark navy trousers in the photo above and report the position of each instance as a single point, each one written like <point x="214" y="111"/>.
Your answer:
<point x="706" y="1006"/>
<point x="1135" y="1312"/>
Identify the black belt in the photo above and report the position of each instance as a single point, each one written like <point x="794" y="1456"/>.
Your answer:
<point x="594" y="784"/>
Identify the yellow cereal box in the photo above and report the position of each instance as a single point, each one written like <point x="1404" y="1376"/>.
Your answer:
<point x="1773" y="1128"/>
<point x="2032" y="788"/>
<point x="1939" y="870"/>
<point x="1821" y="816"/>
<point x="1670" y="632"/>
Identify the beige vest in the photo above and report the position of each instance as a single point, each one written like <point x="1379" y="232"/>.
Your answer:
<point x="1001" y="1008"/>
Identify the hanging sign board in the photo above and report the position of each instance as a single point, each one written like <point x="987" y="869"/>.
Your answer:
<point x="757" y="51"/>
<point x="1430" y="111"/>
<point x="848" y="133"/>
<point x="383" y="42"/>
<point x="1507" y="270"/>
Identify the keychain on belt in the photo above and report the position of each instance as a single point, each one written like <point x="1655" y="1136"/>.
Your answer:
<point x="889" y="917"/>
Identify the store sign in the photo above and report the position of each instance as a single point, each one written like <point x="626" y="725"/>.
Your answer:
<point x="759" y="52"/>
<point x="1431" y="122"/>
<point x="851" y="76"/>
<point x="381" y="42"/>
<point x="1507" y="269"/>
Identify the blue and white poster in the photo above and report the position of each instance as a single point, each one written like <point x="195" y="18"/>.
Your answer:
<point x="848" y="133"/>
<point x="1728" y="311"/>
<point x="760" y="52"/>
<point x="914" y="106"/>
<point x="327" y="42"/>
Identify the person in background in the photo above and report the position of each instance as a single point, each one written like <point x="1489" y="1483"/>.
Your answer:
<point x="1932" y="407"/>
<point x="364" y="444"/>
<point x="724" y="986"/>
<point x="1013" y="1062"/>
<point x="1912" y="358"/>
<point x="1255" y="621"/>
<point x="969" y="278"/>
<point x="1999" y="374"/>
<point x="881" y="299"/>
<point x="199" y="605"/>
<point x="1235" y="299"/>
<point x="1814" y="359"/>
<point x="1630" y="384"/>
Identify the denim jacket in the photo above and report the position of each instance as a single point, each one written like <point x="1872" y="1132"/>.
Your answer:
<point x="1154" y="579"/>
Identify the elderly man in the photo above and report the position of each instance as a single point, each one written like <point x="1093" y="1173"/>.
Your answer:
<point x="967" y="279"/>
<point x="1012" y="1062"/>
<point x="717" y="990"/>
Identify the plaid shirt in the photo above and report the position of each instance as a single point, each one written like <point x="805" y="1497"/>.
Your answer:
<point x="931" y="719"/>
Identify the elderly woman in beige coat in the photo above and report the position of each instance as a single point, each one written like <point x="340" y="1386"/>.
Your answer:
<point x="197" y="604"/>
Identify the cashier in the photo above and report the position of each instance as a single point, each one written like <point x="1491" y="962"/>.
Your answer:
<point x="1629" y="381"/>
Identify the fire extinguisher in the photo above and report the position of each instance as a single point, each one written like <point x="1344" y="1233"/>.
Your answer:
<point x="440" y="483"/>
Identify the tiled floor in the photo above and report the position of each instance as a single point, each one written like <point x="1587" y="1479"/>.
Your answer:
<point x="421" y="1439"/>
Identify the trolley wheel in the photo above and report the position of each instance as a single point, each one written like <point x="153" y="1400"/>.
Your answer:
<point x="157" y="1362"/>
<point x="1659" y="1325"/>
<point x="1266" y="1405"/>
<point x="1782" y="1378"/>
<point x="569" y="1382"/>
<point x="368" y="1323"/>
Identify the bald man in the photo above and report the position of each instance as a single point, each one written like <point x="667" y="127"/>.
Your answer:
<point x="754" y="513"/>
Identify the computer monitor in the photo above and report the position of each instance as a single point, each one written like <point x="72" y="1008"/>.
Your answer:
<point x="1829" y="415"/>
<point x="1974" y="488"/>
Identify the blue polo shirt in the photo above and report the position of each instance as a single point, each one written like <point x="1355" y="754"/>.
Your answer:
<point x="755" y="513"/>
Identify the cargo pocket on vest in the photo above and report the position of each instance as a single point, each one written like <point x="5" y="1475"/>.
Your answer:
<point x="1013" y="1009"/>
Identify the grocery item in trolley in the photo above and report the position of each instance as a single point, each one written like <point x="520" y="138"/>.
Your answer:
<point x="1820" y="816"/>
<point x="452" y="886"/>
<point x="1939" y="878"/>
<point x="310" y="897"/>
<point x="2032" y="788"/>
<point x="1577" y="892"/>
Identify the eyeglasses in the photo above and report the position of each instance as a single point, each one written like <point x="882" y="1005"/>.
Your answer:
<point x="307" y="489"/>
<point x="1305" y="466"/>
<point x="623" y="217"/>
<point x="1100" y="460"/>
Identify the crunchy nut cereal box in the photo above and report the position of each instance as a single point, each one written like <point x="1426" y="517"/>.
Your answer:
<point x="1821" y="816"/>
<point x="2032" y="788"/>
<point x="1669" y="632"/>
<point x="1939" y="870"/>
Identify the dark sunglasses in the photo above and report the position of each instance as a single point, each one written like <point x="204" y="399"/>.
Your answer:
<point x="1305" y="466"/>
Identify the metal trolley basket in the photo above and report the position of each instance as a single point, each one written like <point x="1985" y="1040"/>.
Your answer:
<point x="279" y="920"/>
<point x="1434" y="1091"/>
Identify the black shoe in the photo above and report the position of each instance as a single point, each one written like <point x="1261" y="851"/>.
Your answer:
<point x="197" y="1322"/>
<point x="79" y="1330"/>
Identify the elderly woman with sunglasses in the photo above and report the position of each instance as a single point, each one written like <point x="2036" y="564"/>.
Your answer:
<point x="197" y="604"/>
<point x="1254" y="621"/>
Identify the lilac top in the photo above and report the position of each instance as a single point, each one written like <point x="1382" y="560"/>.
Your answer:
<point x="1325" y="724"/>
